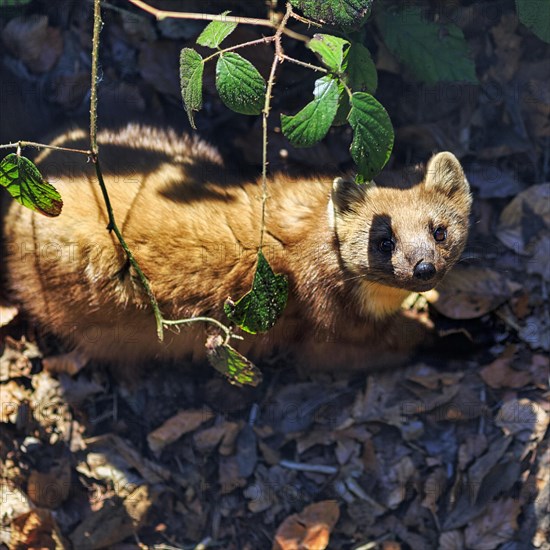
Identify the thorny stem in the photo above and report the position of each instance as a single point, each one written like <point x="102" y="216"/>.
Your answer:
<point x="304" y="64"/>
<point x="23" y="144"/>
<point x="163" y="14"/>
<point x="279" y="56"/>
<point x="228" y="332"/>
<point x="264" y="40"/>
<point x="114" y="228"/>
<point x="160" y="321"/>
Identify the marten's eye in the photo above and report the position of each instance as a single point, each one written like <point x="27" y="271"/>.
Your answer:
<point x="440" y="234"/>
<point x="386" y="245"/>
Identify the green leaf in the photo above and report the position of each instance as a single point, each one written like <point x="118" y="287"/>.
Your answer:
<point x="361" y="70"/>
<point x="372" y="136"/>
<point x="216" y="32"/>
<point x="432" y="52"/>
<point x="312" y="123"/>
<point x="346" y="14"/>
<point x="13" y="3"/>
<point x="331" y="50"/>
<point x="240" y="85"/>
<point x="26" y="185"/>
<point x="234" y="366"/>
<point x="535" y="14"/>
<point x="259" y="309"/>
<point x="191" y="70"/>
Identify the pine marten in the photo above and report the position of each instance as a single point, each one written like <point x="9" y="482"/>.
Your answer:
<point x="352" y="253"/>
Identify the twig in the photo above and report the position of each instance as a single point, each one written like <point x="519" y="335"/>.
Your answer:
<point x="95" y="62"/>
<point x="228" y="332"/>
<point x="21" y="144"/>
<point x="315" y="468"/>
<point x="163" y="14"/>
<point x="264" y="40"/>
<point x="304" y="64"/>
<point x="267" y="106"/>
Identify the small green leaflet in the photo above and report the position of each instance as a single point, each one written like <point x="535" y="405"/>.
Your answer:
<point x="216" y="32"/>
<point x="346" y="14"/>
<point x="535" y="14"/>
<point x="234" y="366"/>
<point x="432" y="52"/>
<point x="191" y="70"/>
<point x="241" y="87"/>
<point x="26" y="185"/>
<point x="259" y="309"/>
<point x="312" y="123"/>
<point x="331" y="49"/>
<point x="362" y="75"/>
<point x="372" y="136"/>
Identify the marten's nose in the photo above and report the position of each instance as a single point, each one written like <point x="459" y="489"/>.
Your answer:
<point x="424" y="270"/>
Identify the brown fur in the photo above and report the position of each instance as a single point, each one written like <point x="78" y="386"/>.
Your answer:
<point x="194" y="229"/>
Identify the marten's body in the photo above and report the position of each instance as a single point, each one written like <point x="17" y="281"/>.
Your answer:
<point x="352" y="254"/>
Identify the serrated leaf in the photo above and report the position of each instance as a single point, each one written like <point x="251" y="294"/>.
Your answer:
<point x="361" y="70"/>
<point x="312" y="123"/>
<point x="241" y="87"/>
<point x="346" y="14"/>
<point x="259" y="309"/>
<point x="372" y="136"/>
<point x="191" y="71"/>
<point x="216" y="32"/>
<point x="433" y="52"/>
<point x="228" y="361"/>
<point x="535" y="14"/>
<point x="331" y="50"/>
<point x="25" y="184"/>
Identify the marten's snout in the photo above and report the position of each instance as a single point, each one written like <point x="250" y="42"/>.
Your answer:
<point x="424" y="270"/>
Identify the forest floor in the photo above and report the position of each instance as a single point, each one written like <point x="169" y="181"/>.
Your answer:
<point x="449" y="452"/>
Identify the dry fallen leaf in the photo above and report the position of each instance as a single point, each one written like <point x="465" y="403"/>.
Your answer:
<point x="471" y="292"/>
<point x="33" y="41"/>
<point x="500" y="374"/>
<point x="495" y="527"/>
<point x="35" y="530"/>
<point x="308" y="530"/>
<point x="180" y="424"/>
<point x="49" y="489"/>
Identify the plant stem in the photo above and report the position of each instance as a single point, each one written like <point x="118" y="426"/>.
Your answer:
<point x="264" y="40"/>
<point x="23" y="144"/>
<point x="114" y="228"/>
<point x="304" y="64"/>
<point x="279" y="55"/>
<point x="95" y="62"/>
<point x="163" y="14"/>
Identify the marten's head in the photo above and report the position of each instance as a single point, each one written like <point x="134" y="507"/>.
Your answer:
<point x="404" y="238"/>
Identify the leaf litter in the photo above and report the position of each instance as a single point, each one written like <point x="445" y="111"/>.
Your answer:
<point x="450" y="452"/>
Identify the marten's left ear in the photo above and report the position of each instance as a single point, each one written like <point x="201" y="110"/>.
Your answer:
<point x="346" y="193"/>
<point x="444" y="173"/>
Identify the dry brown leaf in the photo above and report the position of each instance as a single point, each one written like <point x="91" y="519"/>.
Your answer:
<point x="180" y="424"/>
<point x="116" y="520"/>
<point x="36" y="530"/>
<point x="496" y="526"/>
<point x="523" y="415"/>
<point x="499" y="374"/>
<point x="308" y="530"/>
<point x="33" y="41"/>
<point x="50" y="489"/>
<point x="471" y="292"/>
<point x="451" y="540"/>
<point x="526" y="219"/>
<point x="434" y="487"/>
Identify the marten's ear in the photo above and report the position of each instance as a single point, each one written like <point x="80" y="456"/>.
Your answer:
<point x="444" y="173"/>
<point x="346" y="193"/>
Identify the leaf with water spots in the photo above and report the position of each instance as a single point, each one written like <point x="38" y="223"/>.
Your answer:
<point x="259" y="309"/>
<point x="24" y="182"/>
<point x="228" y="361"/>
